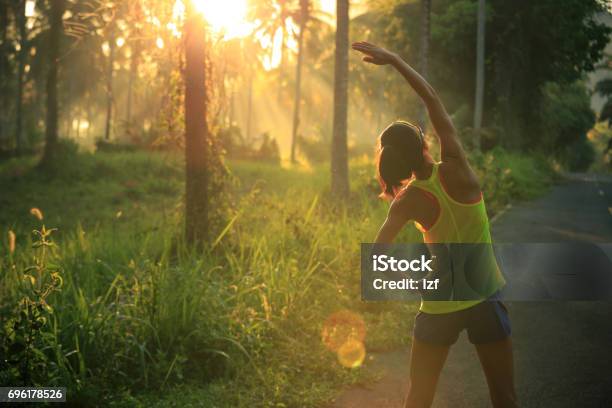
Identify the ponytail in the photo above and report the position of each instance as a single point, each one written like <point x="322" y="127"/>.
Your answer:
<point x="400" y="152"/>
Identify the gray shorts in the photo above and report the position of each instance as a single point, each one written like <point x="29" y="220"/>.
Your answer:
<point x="485" y="322"/>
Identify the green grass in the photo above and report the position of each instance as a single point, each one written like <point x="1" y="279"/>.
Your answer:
<point x="142" y="319"/>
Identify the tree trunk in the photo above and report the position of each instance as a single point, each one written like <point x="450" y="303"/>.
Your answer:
<point x="4" y="72"/>
<point x="480" y="62"/>
<point x="339" y="154"/>
<point x="128" y="107"/>
<point x="298" y="76"/>
<point x="89" y="120"/>
<point x="249" y="107"/>
<point x="196" y="130"/>
<point x="507" y="85"/>
<point x="21" y="58"/>
<point x="68" y="109"/>
<point x="380" y="104"/>
<point x="231" y="105"/>
<point x="55" y="31"/>
<point x="134" y="62"/>
<point x="109" y="86"/>
<point x="424" y="51"/>
<point x="281" y="65"/>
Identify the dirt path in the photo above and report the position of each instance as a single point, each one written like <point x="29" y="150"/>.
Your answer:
<point x="563" y="350"/>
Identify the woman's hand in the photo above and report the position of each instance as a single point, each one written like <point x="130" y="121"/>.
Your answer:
<point x="374" y="54"/>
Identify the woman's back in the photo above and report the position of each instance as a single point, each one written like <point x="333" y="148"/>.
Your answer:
<point x="456" y="221"/>
<point x="471" y="270"/>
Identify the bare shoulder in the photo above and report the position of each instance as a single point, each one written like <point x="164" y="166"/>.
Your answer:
<point x="460" y="181"/>
<point x="458" y="170"/>
<point x="408" y="201"/>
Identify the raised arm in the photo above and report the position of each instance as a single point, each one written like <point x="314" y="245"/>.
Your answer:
<point x="450" y="145"/>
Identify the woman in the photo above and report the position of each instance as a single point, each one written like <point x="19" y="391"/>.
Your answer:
<point x="445" y="201"/>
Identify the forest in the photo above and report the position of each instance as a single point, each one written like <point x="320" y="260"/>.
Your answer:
<point x="184" y="184"/>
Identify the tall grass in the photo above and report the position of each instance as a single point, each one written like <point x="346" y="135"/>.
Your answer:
<point x="143" y="319"/>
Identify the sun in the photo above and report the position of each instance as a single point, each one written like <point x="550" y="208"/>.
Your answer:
<point x="227" y="17"/>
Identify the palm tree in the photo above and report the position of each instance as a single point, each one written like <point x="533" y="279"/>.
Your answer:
<point x="134" y="61"/>
<point x="303" y="16"/>
<point x="301" y="13"/>
<point x="56" y="12"/>
<point x="274" y="16"/>
<point x="480" y="56"/>
<point x="109" y="81"/>
<point x="4" y="67"/>
<point x="339" y="155"/>
<point x="250" y="49"/>
<point x="136" y="13"/>
<point x="196" y="129"/>
<point x="283" y="17"/>
<point x="21" y="57"/>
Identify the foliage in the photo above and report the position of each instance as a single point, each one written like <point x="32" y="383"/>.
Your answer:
<point x="566" y="119"/>
<point x="144" y="319"/>
<point x="604" y="88"/>
<point x="169" y="315"/>
<point x="268" y="150"/>
<point x="316" y="151"/>
<point x="237" y="147"/>
<point x="26" y="337"/>
<point x="507" y="177"/>
<point x="235" y="325"/>
<point x="606" y="111"/>
<point x="523" y="61"/>
<point x="601" y="138"/>
<point x="520" y="61"/>
<point x="105" y="146"/>
<point x="579" y="155"/>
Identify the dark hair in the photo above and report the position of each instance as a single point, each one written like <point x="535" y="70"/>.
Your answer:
<point x="400" y="152"/>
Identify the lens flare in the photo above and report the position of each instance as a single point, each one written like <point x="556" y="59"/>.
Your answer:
<point x="341" y="327"/>
<point x="344" y="333"/>
<point x="351" y="354"/>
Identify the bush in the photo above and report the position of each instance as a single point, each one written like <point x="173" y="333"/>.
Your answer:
<point x="106" y="146"/>
<point x="236" y="147"/>
<point x="67" y="163"/>
<point x="318" y="151"/>
<point x="236" y="324"/>
<point x="566" y="118"/>
<point x="507" y="176"/>
<point x="579" y="155"/>
<point x="313" y="149"/>
<point x="601" y="138"/>
<point x="268" y="150"/>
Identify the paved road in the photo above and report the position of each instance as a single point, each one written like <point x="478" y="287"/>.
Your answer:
<point x="563" y="350"/>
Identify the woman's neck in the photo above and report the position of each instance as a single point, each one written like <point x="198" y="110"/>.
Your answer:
<point x="425" y="171"/>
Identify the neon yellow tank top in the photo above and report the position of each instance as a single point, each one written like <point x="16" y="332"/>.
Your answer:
<point x="457" y="223"/>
